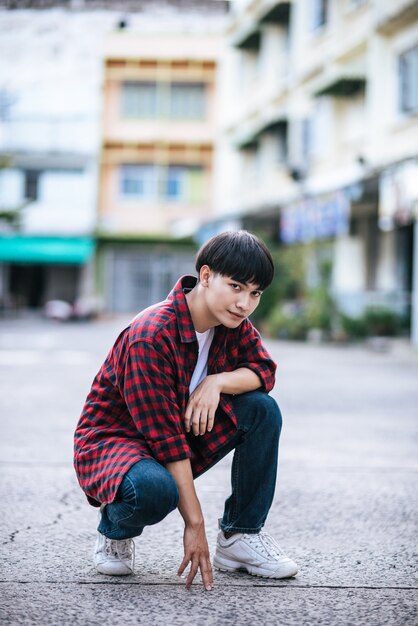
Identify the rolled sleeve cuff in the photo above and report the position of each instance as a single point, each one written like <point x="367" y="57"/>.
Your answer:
<point x="171" y="449"/>
<point x="264" y="372"/>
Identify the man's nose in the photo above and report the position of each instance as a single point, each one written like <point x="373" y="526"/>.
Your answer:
<point x="243" y="302"/>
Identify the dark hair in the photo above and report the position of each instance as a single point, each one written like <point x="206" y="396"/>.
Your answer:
<point x="239" y="255"/>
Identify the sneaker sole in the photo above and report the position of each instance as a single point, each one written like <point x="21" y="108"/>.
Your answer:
<point x="108" y="572"/>
<point x="248" y="569"/>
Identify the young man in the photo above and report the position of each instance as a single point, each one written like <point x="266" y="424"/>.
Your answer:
<point x="184" y="384"/>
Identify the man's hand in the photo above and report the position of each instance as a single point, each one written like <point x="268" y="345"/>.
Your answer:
<point x="202" y="405"/>
<point x="196" y="552"/>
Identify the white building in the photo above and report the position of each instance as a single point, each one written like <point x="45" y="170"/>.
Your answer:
<point x="50" y="79"/>
<point x="321" y="136"/>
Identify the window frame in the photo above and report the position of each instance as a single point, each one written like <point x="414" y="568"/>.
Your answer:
<point x="164" y="99"/>
<point x="319" y="15"/>
<point x="156" y="190"/>
<point x="406" y="74"/>
<point x="31" y="184"/>
<point x="149" y="187"/>
<point x="130" y="84"/>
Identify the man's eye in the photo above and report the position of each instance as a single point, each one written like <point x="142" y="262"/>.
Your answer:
<point x="235" y="286"/>
<point x="257" y="294"/>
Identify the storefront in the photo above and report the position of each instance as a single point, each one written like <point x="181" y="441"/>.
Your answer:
<point x="34" y="270"/>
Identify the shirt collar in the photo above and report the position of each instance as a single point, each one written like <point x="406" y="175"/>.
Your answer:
<point x="177" y="297"/>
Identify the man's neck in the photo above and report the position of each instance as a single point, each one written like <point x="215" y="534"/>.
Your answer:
<point x="201" y="318"/>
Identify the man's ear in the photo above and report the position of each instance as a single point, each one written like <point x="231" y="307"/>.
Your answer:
<point x="204" y="275"/>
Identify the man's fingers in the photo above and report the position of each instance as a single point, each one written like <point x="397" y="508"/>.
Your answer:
<point x="196" y="421"/>
<point x="199" y="419"/>
<point x="207" y="575"/>
<point x="188" y="417"/>
<point x="192" y="573"/>
<point x="183" y="565"/>
<point x="205" y="569"/>
<point x="211" y="419"/>
<point x="203" y="423"/>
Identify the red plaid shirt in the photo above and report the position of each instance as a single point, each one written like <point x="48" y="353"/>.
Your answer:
<point x="138" y="399"/>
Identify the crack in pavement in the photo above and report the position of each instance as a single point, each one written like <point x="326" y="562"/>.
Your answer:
<point x="180" y="585"/>
<point x="63" y="500"/>
<point x="13" y="535"/>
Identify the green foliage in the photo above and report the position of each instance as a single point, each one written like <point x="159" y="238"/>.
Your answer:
<point x="321" y="308"/>
<point x="288" y="282"/>
<point x="382" y="322"/>
<point x="375" y="322"/>
<point x="289" y="310"/>
<point x="288" y="322"/>
<point x="352" y="327"/>
<point x="10" y="217"/>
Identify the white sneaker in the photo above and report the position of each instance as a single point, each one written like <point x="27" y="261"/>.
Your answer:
<point x="258" y="555"/>
<point x="114" y="557"/>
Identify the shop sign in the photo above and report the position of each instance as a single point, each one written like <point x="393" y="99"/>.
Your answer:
<point x="398" y="195"/>
<point x="312" y="219"/>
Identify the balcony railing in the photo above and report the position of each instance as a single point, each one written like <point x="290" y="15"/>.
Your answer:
<point x="79" y="135"/>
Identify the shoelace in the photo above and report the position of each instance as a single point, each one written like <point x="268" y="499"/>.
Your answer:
<point x="122" y="548"/>
<point x="266" y="544"/>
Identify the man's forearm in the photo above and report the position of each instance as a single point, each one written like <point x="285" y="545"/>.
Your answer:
<point x="189" y="505"/>
<point x="238" y="381"/>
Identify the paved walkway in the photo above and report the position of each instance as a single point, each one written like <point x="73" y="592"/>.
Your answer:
<point x="345" y="507"/>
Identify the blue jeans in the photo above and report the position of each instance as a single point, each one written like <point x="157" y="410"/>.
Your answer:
<point x="148" y="493"/>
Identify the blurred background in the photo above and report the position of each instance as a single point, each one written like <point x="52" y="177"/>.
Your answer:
<point x="131" y="131"/>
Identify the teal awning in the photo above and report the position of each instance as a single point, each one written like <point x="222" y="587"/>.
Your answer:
<point x="21" y="249"/>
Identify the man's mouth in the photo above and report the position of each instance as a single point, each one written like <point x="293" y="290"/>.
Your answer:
<point x="237" y="316"/>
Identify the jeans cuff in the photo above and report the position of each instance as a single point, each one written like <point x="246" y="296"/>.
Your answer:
<point x="233" y="529"/>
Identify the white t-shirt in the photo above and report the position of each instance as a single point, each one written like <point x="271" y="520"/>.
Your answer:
<point x="201" y="369"/>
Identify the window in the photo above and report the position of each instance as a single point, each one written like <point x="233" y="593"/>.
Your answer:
<point x="282" y="143"/>
<point x="187" y="101"/>
<point x="139" y="100"/>
<point x="183" y="183"/>
<point x="32" y="184"/>
<point x="138" y="181"/>
<point x="173" y="183"/>
<point x="163" y="100"/>
<point x="319" y="13"/>
<point x="408" y="81"/>
<point x="306" y="140"/>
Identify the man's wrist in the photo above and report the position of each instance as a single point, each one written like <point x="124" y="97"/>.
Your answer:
<point x="194" y="523"/>
<point x="219" y="380"/>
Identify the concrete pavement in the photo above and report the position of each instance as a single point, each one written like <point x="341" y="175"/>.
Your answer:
<point x="345" y="506"/>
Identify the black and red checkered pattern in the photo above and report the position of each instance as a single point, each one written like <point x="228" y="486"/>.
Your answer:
<point x="138" y="399"/>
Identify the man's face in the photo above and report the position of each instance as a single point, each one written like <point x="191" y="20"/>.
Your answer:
<point x="230" y="302"/>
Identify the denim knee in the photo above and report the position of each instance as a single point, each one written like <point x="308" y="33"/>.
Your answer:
<point x="271" y="412"/>
<point x="258" y="407"/>
<point x="155" y="489"/>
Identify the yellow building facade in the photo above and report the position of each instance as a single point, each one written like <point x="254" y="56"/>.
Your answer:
<point x="159" y="124"/>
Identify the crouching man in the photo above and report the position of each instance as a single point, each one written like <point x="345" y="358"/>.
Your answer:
<point x="184" y="384"/>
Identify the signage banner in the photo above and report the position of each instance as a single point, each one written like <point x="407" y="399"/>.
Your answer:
<point x="316" y="218"/>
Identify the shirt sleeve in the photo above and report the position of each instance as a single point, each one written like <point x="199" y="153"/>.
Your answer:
<point x="150" y="395"/>
<point x="253" y="355"/>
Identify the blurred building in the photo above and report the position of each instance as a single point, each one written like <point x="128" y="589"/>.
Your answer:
<point x="49" y="144"/>
<point x="321" y="138"/>
<point x="156" y="169"/>
<point x="153" y="158"/>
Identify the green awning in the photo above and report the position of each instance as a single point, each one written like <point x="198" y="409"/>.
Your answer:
<point x="342" y="86"/>
<point x="21" y="249"/>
